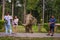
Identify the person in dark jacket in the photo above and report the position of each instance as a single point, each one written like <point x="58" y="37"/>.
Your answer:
<point x="52" y="21"/>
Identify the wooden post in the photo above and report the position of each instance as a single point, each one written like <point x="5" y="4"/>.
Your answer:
<point x="55" y="29"/>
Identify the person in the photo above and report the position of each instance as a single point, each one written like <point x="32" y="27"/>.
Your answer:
<point x="29" y="23"/>
<point x="52" y="21"/>
<point x="15" y="23"/>
<point x="8" y="27"/>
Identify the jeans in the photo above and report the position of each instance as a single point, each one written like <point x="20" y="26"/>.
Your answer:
<point x="8" y="29"/>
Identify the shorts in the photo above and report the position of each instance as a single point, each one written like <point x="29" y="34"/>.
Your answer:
<point x="15" y="25"/>
<point x="52" y="28"/>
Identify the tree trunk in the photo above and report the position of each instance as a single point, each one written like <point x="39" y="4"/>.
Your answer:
<point x="24" y="10"/>
<point x="43" y="11"/>
<point x="3" y="10"/>
<point x="12" y="8"/>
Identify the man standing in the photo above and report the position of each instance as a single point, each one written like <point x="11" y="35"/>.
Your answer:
<point x="8" y="27"/>
<point x="52" y="21"/>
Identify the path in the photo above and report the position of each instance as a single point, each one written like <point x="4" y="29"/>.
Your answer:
<point x="29" y="35"/>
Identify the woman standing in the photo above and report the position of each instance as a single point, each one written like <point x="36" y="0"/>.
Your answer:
<point x="15" y="23"/>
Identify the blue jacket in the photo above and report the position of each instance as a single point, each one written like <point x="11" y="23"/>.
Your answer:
<point x="52" y="20"/>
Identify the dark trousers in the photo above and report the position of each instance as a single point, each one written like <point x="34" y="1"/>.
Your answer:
<point x="52" y="28"/>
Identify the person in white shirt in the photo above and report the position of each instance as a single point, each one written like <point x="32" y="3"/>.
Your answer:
<point x="8" y="27"/>
<point x="15" y="23"/>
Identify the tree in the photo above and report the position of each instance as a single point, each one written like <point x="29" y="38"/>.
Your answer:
<point x="52" y="8"/>
<point x="3" y="10"/>
<point x="24" y="10"/>
<point x="33" y="7"/>
<point x="12" y="7"/>
<point x="31" y="4"/>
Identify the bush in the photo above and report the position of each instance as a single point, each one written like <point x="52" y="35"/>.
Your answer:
<point x="1" y="24"/>
<point x="46" y="26"/>
<point x="43" y="29"/>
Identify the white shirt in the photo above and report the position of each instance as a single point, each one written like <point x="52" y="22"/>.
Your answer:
<point x="15" y="21"/>
<point x="8" y="19"/>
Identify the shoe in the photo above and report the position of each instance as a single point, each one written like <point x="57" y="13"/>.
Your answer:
<point x="48" y="34"/>
<point x="51" y="35"/>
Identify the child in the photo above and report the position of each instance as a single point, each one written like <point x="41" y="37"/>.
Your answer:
<point x="15" y="23"/>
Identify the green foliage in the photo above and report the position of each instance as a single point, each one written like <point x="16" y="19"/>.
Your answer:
<point x="46" y="26"/>
<point x="43" y="29"/>
<point x="21" y="1"/>
<point x="1" y="24"/>
<point x="8" y="7"/>
<point x="52" y="7"/>
<point x="35" y="28"/>
<point x="29" y="38"/>
<point x="32" y="4"/>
